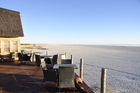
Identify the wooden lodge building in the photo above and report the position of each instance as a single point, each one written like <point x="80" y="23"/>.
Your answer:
<point x="10" y="31"/>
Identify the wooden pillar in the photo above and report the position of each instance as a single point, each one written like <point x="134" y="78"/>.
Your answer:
<point x="81" y="68"/>
<point x="71" y="56"/>
<point x="103" y="80"/>
<point x="71" y="59"/>
<point x="19" y="47"/>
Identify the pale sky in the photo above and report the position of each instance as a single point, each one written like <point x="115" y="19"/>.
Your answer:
<point x="78" y="21"/>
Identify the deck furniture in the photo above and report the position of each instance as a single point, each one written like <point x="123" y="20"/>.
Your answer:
<point x="46" y="56"/>
<point x="13" y="56"/>
<point x="24" y="57"/>
<point x="38" y="60"/>
<point x="54" y="59"/>
<point x="5" y="58"/>
<point x="66" y="77"/>
<point x="60" y="57"/>
<point x="20" y="57"/>
<point x="48" y="60"/>
<point x="66" y="61"/>
<point x="56" y="66"/>
<point x="49" y="75"/>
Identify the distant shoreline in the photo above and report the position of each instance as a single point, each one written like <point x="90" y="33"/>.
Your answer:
<point x="104" y="45"/>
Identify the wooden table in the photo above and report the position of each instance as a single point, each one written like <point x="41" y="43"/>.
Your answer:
<point x="46" y="56"/>
<point x="56" y="66"/>
<point x="5" y="58"/>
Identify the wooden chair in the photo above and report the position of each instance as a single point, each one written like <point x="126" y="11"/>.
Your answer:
<point x="54" y="59"/>
<point x="38" y="60"/>
<point x="66" y="61"/>
<point x="12" y="56"/>
<point x="48" y="61"/>
<point x="60" y="57"/>
<point x="66" y="77"/>
<point x="50" y="75"/>
<point x="20" y="57"/>
<point x="5" y="58"/>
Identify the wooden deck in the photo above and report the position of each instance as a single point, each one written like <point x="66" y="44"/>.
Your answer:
<point x="26" y="78"/>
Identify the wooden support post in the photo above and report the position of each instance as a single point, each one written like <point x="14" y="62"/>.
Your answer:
<point x="103" y="80"/>
<point x="71" y="59"/>
<point x="81" y="68"/>
<point x="71" y="56"/>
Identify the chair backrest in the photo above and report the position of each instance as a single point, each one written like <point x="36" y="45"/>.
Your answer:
<point x="29" y="58"/>
<point x="60" y="57"/>
<point x="50" y="75"/>
<point x="11" y="55"/>
<point x="66" y="77"/>
<point x="20" y="57"/>
<point x="25" y="57"/>
<point x="47" y="61"/>
<point x="38" y="61"/>
<point x="54" y="59"/>
<point x="66" y="61"/>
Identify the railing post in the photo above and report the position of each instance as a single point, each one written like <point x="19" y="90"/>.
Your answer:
<point x="71" y="59"/>
<point x="103" y="80"/>
<point x="71" y="56"/>
<point x="81" y="68"/>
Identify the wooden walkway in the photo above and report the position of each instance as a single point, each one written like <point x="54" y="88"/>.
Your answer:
<point x="26" y="78"/>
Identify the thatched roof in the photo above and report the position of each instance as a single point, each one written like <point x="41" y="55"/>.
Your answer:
<point x="10" y="23"/>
